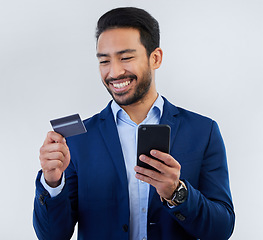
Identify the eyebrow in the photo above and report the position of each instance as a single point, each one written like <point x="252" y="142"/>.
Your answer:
<point x="117" y="53"/>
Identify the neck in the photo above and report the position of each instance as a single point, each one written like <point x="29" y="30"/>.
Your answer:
<point x="139" y="110"/>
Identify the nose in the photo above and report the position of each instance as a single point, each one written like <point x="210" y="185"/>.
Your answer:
<point x="116" y="69"/>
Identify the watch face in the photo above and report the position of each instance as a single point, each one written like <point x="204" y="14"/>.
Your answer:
<point x="180" y="196"/>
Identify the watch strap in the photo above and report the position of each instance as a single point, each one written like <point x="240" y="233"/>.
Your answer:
<point x="171" y="201"/>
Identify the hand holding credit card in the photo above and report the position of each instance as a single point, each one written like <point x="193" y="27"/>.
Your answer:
<point x="68" y="126"/>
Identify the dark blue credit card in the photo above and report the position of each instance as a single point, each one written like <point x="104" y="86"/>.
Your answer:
<point x="68" y="126"/>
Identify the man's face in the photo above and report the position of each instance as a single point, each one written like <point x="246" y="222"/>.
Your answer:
<point x="124" y="65"/>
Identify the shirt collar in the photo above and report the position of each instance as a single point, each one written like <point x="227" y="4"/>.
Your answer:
<point x="158" y="104"/>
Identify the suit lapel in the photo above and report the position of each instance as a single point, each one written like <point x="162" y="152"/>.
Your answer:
<point x="110" y="135"/>
<point x="170" y="118"/>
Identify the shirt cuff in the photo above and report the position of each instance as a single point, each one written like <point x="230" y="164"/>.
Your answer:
<point x="53" y="191"/>
<point x="170" y="206"/>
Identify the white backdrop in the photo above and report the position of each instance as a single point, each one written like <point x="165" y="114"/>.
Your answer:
<point x="213" y="61"/>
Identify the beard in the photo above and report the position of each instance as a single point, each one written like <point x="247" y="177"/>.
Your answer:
<point x="141" y="89"/>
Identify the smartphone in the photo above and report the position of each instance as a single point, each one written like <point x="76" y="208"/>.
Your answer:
<point x="152" y="136"/>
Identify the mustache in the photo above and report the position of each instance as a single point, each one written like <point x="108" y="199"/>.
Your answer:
<point x="121" y="77"/>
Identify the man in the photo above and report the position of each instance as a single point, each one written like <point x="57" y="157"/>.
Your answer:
<point x="93" y="179"/>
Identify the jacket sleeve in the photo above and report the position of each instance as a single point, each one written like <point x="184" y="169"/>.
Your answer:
<point x="55" y="218"/>
<point x="208" y="212"/>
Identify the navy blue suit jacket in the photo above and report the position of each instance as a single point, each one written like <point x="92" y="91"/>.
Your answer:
<point x="96" y="191"/>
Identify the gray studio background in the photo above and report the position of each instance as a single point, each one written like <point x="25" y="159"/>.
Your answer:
<point x="213" y="59"/>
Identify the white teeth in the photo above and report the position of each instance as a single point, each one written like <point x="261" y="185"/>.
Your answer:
<point x="121" y="85"/>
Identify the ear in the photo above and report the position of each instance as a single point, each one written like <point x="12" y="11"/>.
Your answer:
<point x="156" y="58"/>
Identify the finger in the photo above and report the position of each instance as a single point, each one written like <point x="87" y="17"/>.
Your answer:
<point x="52" y="156"/>
<point x="51" y="165"/>
<point x="47" y="159"/>
<point x="54" y="147"/>
<point x="146" y="179"/>
<point x="168" y="173"/>
<point x="160" y="186"/>
<point x="165" y="157"/>
<point x="54" y="137"/>
<point x="154" y="163"/>
<point x="149" y="173"/>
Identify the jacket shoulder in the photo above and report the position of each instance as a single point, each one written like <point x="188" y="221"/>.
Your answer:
<point x="185" y="115"/>
<point x="91" y="121"/>
<point x="95" y="119"/>
<point x="193" y="115"/>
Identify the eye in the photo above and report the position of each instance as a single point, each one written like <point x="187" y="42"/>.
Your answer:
<point x="104" y="62"/>
<point x="126" y="58"/>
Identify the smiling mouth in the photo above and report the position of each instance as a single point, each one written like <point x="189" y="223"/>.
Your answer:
<point x="121" y="85"/>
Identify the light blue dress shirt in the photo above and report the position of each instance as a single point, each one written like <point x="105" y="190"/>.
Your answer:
<point x="138" y="190"/>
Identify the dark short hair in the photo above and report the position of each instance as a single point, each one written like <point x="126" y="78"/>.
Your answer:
<point x="131" y="17"/>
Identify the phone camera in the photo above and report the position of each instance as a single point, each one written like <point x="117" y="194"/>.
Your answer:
<point x="144" y="128"/>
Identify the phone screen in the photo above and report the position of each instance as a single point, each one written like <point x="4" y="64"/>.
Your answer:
<point x="156" y="136"/>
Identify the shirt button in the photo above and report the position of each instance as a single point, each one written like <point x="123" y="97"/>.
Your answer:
<point x="144" y="238"/>
<point x="125" y="228"/>
<point x="143" y="210"/>
<point x="141" y="181"/>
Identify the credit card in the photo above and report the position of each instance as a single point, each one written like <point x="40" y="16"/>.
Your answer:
<point x="68" y="126"/>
